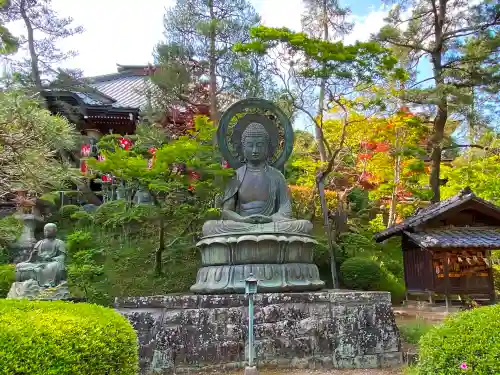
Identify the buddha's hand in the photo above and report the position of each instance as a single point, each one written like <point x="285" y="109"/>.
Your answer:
<point x="258" y="219"/>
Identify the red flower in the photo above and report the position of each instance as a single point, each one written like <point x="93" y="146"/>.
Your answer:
<point x="191" y="188"/>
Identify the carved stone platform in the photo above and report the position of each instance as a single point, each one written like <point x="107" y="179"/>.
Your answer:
<point x="327" y="329"/>
<point x="281" y="263"/>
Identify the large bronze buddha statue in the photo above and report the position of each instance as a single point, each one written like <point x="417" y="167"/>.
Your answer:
<point x="256" y="233"/>
<point x="258" y="199"/>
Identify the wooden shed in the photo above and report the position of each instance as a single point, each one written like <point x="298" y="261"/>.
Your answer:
<point x="447" y="247"/>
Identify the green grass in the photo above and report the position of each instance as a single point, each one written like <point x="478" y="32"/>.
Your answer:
<point x="412" y="331"/>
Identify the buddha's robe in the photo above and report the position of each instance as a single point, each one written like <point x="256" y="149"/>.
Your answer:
<point x="46" y="265"/>
<point x="262" y="192"/>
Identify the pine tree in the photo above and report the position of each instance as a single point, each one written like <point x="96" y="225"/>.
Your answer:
<point x="44" y="28"/>
<point x="209" y="28"/>
<point x="462" y="42"/>
<point x="325" y="20"/>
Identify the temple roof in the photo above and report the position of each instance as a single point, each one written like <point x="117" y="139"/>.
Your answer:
<point x="472" y="237"/>
<point x="128" y="87"/>
<point x="421" y="216"/>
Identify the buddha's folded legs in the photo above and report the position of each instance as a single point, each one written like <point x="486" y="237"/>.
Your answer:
<point x="214" y="227"/>
<point x="49" y="273"/>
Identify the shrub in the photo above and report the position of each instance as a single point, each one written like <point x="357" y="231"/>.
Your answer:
<point x="85" y="269"/>
<point x="7" y="277"/>
<point x="361" y="274"/>
<point x="496" y="278"/>
<point x="65" y="212"/>
<point x="412" y="331"/>
<point x="394" y="267"/>
<point x="44" y="338"/>
<point x="471" y="338"/>
<point x="390" y="283"/>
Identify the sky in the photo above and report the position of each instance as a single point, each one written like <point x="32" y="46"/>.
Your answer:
<point x="116" y="33"/>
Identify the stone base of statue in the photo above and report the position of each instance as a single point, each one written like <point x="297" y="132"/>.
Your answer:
<point x="209" y="333"/>
<point x="282" y="262"/>
<point x="31" y="290"/>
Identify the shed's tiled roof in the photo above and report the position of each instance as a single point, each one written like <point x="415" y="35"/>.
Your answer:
<point x="486" y="238"/>
<point x="432" y="211"/>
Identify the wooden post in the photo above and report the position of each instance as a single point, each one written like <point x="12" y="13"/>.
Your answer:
<point x="493" y="296"/>
<point x="446" y="268"/>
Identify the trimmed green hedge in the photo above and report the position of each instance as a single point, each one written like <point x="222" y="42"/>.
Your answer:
<point x="361" y="274"/>
<point x="63" y="338"/>
<point x="469" y="339"/>
<point x="7" y="277"/>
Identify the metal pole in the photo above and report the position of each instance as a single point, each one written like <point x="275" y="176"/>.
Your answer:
<point x="250" y="331"/>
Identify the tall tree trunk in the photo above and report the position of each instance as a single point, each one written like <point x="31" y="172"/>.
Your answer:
<point x="212" y="61"/>
<point x="330" y="235"/>
<point x="160" y="249"/>
<point x="35" y="71"/>
<point x="321" y="100"/>
<point x="442" y="110"/>
<point x="397" y="170"/>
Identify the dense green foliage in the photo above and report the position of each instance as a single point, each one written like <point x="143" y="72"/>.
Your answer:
<point x="361" y="273"/>
<point x="49" y="338"/>
<point x="7" y="277"/>
<point x="31" y="137"/>
<point x="10" y="230"/>
<point x="412" y="331"/>
<point x="471" y="338"/>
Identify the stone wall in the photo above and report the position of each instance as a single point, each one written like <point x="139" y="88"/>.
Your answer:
<point x="325" y="329"/>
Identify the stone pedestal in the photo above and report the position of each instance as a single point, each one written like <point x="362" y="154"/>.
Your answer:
<point x="282" y="262"/>
<point x="31" y="290"/>
<point x="328" y="329"/>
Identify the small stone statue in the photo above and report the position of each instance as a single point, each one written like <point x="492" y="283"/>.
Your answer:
<point x="43" y="275"/>
<point x="258" y="199"/>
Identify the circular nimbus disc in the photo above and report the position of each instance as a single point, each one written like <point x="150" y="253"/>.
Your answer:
<point x="241" y="107"/>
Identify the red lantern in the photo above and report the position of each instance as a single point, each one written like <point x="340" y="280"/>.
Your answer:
<point x="85" y="150"/>
<point x="83" y="166"/>
<point x="125" y="143"/>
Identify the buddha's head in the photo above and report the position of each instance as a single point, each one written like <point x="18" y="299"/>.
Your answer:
<point x="255" y="141"/>
<point x="50" y="230"/>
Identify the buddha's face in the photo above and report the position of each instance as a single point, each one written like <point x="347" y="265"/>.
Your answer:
<point x="50" y="231"/>
<point x="255" y="148"/>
